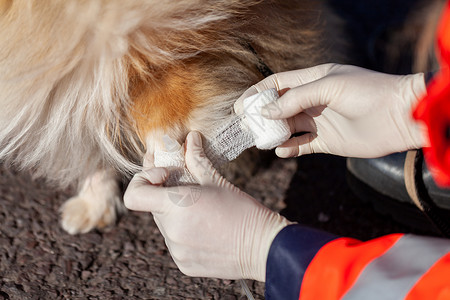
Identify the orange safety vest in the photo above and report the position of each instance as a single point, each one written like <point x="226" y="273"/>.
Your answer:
<point x="395" y="266"/>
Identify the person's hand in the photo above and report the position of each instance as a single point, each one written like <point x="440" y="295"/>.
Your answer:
<point x="212" y="229"/>
<point x="344" y="110"/>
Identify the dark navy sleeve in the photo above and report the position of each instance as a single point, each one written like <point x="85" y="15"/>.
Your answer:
<point x="290" y="254"/>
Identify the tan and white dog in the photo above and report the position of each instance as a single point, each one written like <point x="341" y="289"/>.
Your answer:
<point x="89" y="87"/>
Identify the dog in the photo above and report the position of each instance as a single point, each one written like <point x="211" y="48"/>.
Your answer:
<point x="88" y="88"/>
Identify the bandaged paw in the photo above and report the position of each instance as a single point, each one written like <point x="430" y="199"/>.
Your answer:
<point x="267" y="134"/>
<point x="226" y="143"/>
<point x="172" y="158"/>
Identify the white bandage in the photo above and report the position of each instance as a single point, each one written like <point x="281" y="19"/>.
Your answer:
<point x="268" y="134"/>
<point x="229" y="141"/>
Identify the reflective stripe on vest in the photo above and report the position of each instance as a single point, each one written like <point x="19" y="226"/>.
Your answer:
<point x="394" y="274"/>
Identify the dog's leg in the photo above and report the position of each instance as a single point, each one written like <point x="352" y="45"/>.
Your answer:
<point x="95" y="206"/>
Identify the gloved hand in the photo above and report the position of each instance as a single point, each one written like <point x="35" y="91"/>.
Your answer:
<point x="211" y="230"/>
<point x="345" y="110"/>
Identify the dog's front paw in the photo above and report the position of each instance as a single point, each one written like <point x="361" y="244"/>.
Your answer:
<point x="80" y="215"/>
<point x="95" y="206"/>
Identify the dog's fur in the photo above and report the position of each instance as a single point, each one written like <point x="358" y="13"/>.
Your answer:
<point x="88" y="87"/>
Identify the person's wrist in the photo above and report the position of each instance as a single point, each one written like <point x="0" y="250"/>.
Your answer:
<point x="414" y="90"/>
<point x="261" y="228"/>
<point x="420" y="130"/>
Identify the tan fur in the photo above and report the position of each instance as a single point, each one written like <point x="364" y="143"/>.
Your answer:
<point x="87" y="85"/>
<point x="166" y="102"/>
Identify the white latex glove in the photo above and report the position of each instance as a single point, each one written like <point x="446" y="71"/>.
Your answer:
<point x="212" y="229"/>
<point x="345" y="110"/>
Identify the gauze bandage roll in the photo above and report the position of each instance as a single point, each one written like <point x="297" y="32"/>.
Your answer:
<point x="268" y="134"/>
<point x="229" y="141"/>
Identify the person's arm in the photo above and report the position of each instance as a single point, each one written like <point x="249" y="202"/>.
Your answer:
<point x="395" y="266"/>
<point x="215" y="230"/>
<point x="345" y="110"/>
<point x="212" y="229"/>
